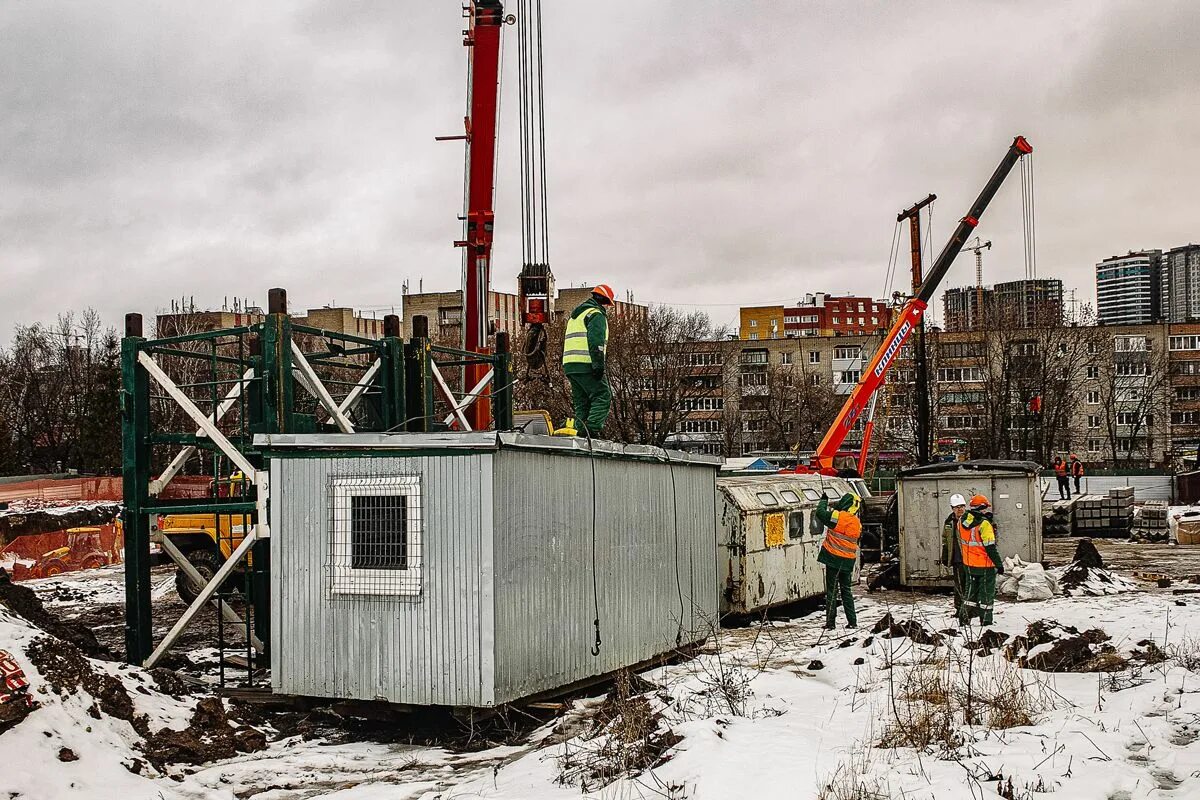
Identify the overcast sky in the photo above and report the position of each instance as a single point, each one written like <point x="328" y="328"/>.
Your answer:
<point x="699" y="152"/>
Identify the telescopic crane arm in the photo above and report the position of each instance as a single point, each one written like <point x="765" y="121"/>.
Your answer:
<point x="908" y="318"/>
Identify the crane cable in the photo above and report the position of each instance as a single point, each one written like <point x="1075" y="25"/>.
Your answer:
<point x="535" y="229"/>
<point x="1029" y="216"/>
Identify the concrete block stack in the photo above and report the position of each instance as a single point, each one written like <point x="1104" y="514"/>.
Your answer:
<point x="1108" y="515"/>
<point x="1057" y="518"/>
<point x="1151" y="523"/>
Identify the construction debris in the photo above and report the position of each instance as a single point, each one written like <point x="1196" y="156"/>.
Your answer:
<point x="1058" y="518"/>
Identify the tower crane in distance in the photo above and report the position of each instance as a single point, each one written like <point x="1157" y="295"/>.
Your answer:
<point x="977" y="246"/>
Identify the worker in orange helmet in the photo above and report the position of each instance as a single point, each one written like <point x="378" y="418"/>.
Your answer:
<point x="584" y="345"/>
<point x="1076" y="471"/>
<point x="981" y="560"/>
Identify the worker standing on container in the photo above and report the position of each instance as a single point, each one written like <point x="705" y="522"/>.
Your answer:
<point x="1064" y="482"/>
<point x="839" y="553"/>
<point x="981" y="560"/>
<point x="583" y="361"/>
<point x="952" y="552"/>
<point x="1076" y="471"/>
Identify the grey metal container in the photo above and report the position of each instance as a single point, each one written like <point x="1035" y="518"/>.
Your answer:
<point x="769" y="539"/>
<point x="924" y="502"/>
<point x="495" y="602"/>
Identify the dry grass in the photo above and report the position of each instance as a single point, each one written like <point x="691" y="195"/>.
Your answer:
<point x="932" y="702"/>
<point x="624" y="739"/>
<point x="1186" y="653"/>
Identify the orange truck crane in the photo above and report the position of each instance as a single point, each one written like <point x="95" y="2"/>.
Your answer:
<point x="909" y="318"/>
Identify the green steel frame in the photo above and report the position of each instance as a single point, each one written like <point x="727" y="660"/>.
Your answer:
<point x="398" y="398"/>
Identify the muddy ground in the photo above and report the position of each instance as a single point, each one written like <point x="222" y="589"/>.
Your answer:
<point x="1176" y="561"/>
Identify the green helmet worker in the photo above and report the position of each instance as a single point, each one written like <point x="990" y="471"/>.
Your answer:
<point x="583" y="360"/>
<point x="839" y="554"/>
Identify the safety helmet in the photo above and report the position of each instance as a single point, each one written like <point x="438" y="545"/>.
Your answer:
<point x="980" y="501"/>
<point x="957" y="500"/>
<point x="849" y="502"/>
<point x="605" y="293"/>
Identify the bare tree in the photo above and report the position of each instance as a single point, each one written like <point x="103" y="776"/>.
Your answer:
<point x="59" y="396"/>
<point x="653" y="372"/>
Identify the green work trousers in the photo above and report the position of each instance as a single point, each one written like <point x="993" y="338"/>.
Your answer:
<point x="980" y="599"/>
<point x="592" y="399"/>
<point x="838" y="581"/>
<point x="960" y="586"/>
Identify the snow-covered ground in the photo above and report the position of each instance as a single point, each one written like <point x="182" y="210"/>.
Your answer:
<point x="778" y="710"/>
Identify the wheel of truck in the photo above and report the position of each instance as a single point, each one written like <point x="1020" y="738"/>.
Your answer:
<point x="206" y="562"/>
<point x="52" y="568"/>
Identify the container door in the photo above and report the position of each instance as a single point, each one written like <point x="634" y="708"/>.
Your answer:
<point x="920" y="533"/>
<point x="1018" y="521"/>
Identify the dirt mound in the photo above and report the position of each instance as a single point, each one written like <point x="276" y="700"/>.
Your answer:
<point x="988" y="642"/>
<point x="210" y="736"/>
<point x="22" y="601"/>
<point x="1050" y="647"/>
<point x="909" y="628"/>
<point x="67" y="670"/>
<point x="1087" y="575"/>
<point x="27" y="520"/>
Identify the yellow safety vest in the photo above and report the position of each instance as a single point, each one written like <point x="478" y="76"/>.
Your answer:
<point x="575" y="344"/>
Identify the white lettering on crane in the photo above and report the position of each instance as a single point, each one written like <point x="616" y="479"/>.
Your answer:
<point x="893" y="348"/>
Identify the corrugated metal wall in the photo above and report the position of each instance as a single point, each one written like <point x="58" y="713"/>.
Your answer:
<point x="429" y="649"/>
<point x="543" y="558"/>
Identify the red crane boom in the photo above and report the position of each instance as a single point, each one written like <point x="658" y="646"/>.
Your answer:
<point x="910" y="316"/>
<point x="483" y="38"/>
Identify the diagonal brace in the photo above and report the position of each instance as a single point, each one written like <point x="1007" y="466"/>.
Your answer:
<point x="160" y="483"/>
<point x="314" y="385"/>
<point x="199" y="417"/>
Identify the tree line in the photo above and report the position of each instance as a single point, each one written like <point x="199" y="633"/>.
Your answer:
<point x="60" y="397"/>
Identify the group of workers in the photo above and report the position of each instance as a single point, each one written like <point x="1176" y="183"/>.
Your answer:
<point x="1064" y="471"/>
<point x="969" y="534"/>
<point x="968" y="548"/>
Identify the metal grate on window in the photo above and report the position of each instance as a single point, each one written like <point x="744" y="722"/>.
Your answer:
<point x="378" y="531"/>
<point x="375" y="532"/>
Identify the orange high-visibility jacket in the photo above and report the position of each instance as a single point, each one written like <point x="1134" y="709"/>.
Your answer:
<point x="974" y="541"/>
<point x="842" y="539"/>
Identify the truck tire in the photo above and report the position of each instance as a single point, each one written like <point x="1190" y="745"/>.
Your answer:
<point x="206" y="562"/>
<point x="51" y="568"/>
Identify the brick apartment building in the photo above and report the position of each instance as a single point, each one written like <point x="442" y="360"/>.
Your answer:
<point x="1128" y="395"/>
<point x="817" y="314"/>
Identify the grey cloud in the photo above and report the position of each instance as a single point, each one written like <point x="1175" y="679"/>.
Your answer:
<point x="699" y="152"/>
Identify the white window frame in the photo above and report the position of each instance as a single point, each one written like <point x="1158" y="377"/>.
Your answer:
<point x="389" y="582"/>
<point x="785" y="358"/>
<point x="1093" y="402"/>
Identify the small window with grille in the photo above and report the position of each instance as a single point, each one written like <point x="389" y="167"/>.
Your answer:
<point x="376" y="541"/>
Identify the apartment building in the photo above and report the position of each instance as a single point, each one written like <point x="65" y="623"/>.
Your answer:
<point x="1126" y="395"/>
<point x="818" y="314"/>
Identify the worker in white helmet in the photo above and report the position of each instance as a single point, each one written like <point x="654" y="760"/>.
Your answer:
<point x="951" y="552"/>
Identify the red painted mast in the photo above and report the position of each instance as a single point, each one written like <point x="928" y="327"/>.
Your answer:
<point x="483" y="39"/>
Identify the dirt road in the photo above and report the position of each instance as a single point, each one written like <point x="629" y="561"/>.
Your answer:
<point x="1179" y="562"/>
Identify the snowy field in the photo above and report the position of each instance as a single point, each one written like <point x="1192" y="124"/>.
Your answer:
<point x="774" y="710"/>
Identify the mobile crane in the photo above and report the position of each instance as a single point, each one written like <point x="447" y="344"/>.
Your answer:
<point x="909" y="318"/>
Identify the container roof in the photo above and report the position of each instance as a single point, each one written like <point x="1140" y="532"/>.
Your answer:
<point x="779" y="491"/>
<point x="281" y="444"/>
<point x="977" y="465"/>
